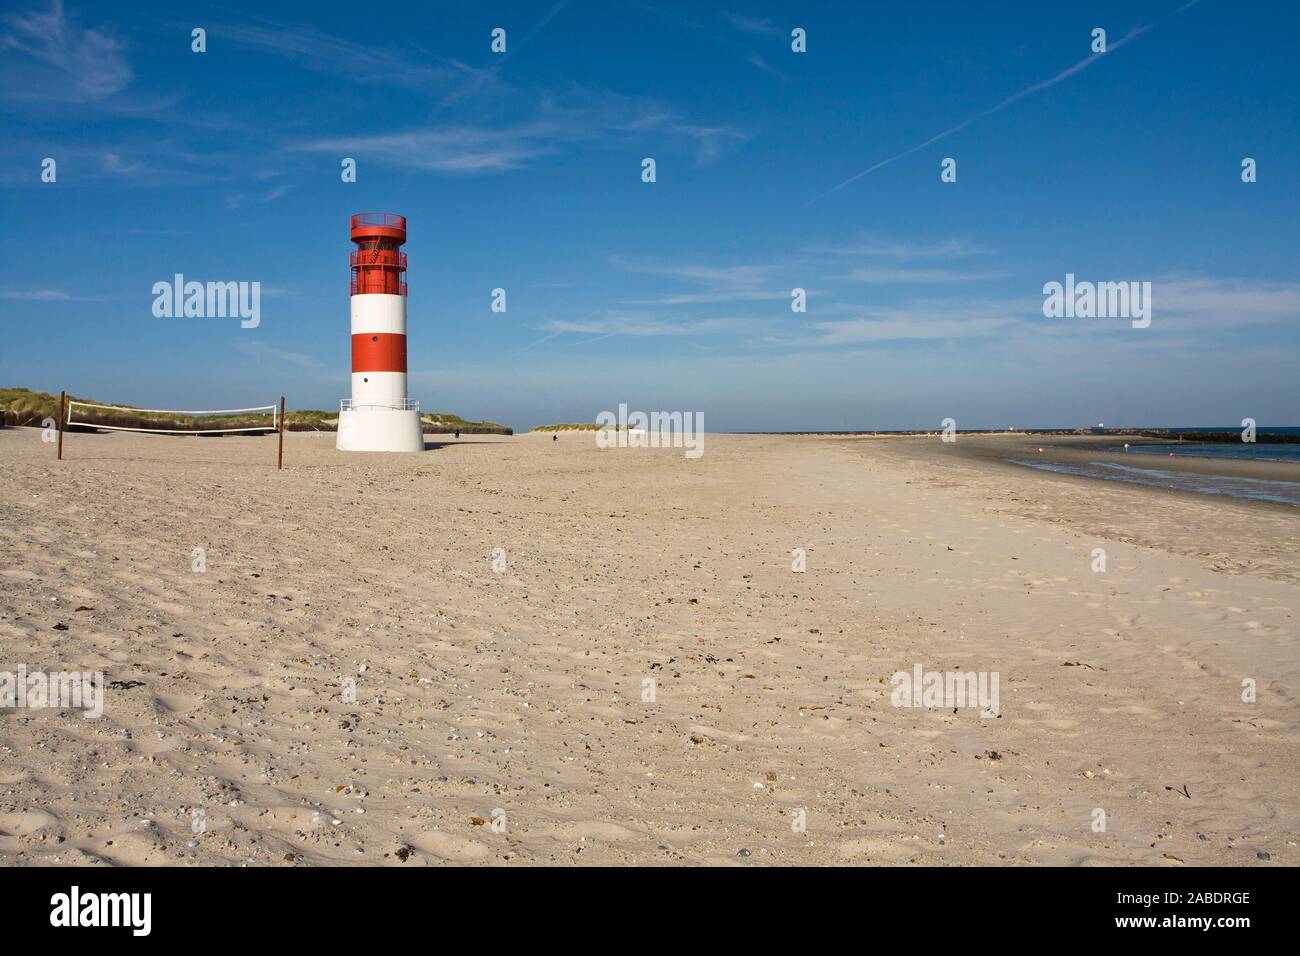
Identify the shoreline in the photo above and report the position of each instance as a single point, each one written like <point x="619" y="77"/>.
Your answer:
<point x="1078" y="449"/>
<point x="1081" y="451"/>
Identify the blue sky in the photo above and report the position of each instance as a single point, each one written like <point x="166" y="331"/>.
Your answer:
<point x="523" y="171"/>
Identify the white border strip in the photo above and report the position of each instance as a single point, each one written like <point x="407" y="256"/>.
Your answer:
<point x="273" y="410"/>
<point x="173" y="411"/>
<point x="176" y="431"/>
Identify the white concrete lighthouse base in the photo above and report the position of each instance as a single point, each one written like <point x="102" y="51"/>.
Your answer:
<point x="379" y="429"/>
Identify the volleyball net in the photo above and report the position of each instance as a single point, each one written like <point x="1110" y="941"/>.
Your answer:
<point x="259" y="419"/>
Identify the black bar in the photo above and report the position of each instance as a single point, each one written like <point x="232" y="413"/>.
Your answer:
<point x="300" y="903"/>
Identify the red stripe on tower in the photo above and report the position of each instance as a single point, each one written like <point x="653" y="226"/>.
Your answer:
<point x="378" y="352"/>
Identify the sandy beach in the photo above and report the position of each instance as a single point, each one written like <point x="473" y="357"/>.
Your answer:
<point x="639" y="676"/>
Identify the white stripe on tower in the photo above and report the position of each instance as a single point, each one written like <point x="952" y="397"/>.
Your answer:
<point x="379" y="314"/>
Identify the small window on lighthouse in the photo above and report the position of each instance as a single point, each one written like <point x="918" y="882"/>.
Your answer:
<point x="374" y="338"/>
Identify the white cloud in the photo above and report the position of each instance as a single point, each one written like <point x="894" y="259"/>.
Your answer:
<point x="572" y="115"/>
<point x="41" y="295"/>
<point x="448" y="150"/>
<point x="759" y="25"/>
<point x="721" y="278"/>
<point x="955" y="318"/>
<point x="897" y="275"/>
<point x="321" y="53"/>
<point x="1216" y="303"/>
<point x="114" y="163"/>
<point x="47" y="57"/>
<point x="262" y="352"/>
<point x="700" y="298"/>
<point x="641" y="326"/>
<point x="878" y="247"/>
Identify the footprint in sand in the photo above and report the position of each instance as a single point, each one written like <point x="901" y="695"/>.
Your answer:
<point x="291" y="819"/>
<point x="445" y="846"/>
<point x="714" y="733"/>
<point x="26" y="822"/>
<point x="176" y="703"/>
<point x="601" y="831"/>
<point x="877" y="851"/>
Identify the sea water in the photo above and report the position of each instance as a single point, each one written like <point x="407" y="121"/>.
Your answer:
<point x="1257" y="489"/>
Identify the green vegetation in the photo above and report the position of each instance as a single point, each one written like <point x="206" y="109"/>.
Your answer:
<point x="568" y="427"/>
<point x="22" y="406"/>
<point x="437" y="422"/>
<point x="578" y="427"/>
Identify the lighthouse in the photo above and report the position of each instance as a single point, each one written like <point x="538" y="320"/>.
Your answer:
<point x="379" y="416"/>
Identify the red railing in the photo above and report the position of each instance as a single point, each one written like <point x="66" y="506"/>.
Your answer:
<point x="378" y="270"/>
<point x="389" y="220"/>
<point x="377" y="259"/>
<point x="389" y="281"/>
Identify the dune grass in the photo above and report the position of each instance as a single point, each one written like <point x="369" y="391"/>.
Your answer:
<point x="436" y="422"/>
<point x="23" y="406"/>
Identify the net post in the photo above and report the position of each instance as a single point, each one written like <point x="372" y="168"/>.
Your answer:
<point x="62" y="402"/>
<point x="279" y="465"/>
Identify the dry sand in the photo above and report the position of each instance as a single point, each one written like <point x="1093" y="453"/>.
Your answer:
<point x="523" y="691"/>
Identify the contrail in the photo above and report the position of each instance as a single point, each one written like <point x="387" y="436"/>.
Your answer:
<point x="540" y="341"/>
<point x="1028" y="90"/>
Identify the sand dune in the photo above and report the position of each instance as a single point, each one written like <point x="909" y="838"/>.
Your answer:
<point x="500" y="714"/>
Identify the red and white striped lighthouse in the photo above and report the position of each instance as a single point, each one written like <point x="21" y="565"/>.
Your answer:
<point x="379" y="416"/>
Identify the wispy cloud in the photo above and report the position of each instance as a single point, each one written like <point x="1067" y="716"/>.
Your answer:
<point x="700" y="298"/>
<point x="448" y="149"/>
<point x="724" y="277"/>
<point x="491" y="73"/>
<point x="114" y="163"/>
<point x="867" y="259"/>
<point x="736" y="283"/>
<point x="603" y="114"/>
<point x="41" y="295"/>
<point x="724" y="39"/>
<point x="878" y="247"/>
<point x="238" y="200"/>
<point x="1190" y="309"/>
<point x="760" y="25"/>
<point x="597" y="118"/>
<point x="888" y="261"/>
<point x="710" y="141"/>
<point x="886" y="329"/>
<point x="898" y="275"/>
<point x="135" y="159"/>
<point x="958" y="318"/>
<point x="321" y="53"/>
<point x="264" y="353"/>
<point x="1214" y="303"/>
<point x="641" y="326"/>
<point x="45" y="56"/>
